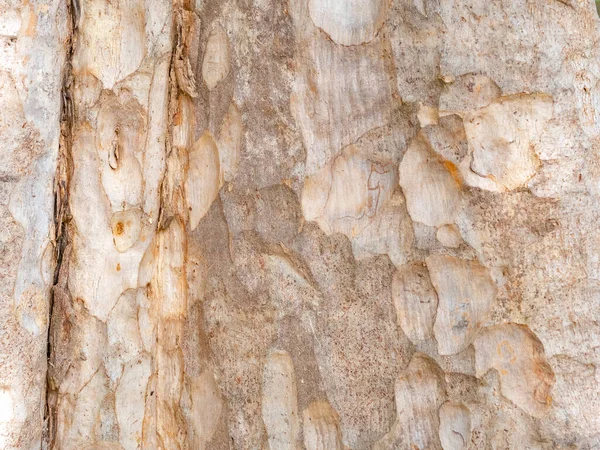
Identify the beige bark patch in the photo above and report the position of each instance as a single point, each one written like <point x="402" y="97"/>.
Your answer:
<point x="420" y="391"/>
<point x="12" y="121"/>
<point x="203" y="178"/>
<point x="455" y="426"/>
<point x="230" y="143"/>
<point x="449" y="236"/>
<point x="420" y="5"/>
<point x="289" y="287"/>
<point x="465" y="292"/>
<point x="206" y="407"/>
<point x="7" y="402"/>
<point x="10" y="22"/>
<point x="147" y="265"/>
<point x="427" y="115"/>
<point x="83" y="410"/>
<point x="468" y="92"/>
<point x="389" y="232"/>
<point x="124" y="340"/>
<point x="279" y="402"/>
<point x="347" y="194"/>
<point x="130" y="401"/>
<point x="415" y="300"/>
<point x="119" y="139"/>
<point x="432" y="192"/>
<point x="112" y="39"/>
<point x="216" y="64"/>
<point x="415" y="48"/>
<point x="169" y="384"/>
<point x="321" y="427"/>
<point x="502" y="138"/>
<point x="168" y="283"/>
<point x="146" y="324"/>
<point x="517" y="354"/>
<point x="331" y="103"/>
<point x="348" y="22"/>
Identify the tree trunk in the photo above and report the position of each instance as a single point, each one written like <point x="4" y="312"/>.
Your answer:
<point x="314" y="224"/>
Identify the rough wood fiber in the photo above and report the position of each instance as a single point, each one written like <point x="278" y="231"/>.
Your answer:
<point x="313" y="224"/>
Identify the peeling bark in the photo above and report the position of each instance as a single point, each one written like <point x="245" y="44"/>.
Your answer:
<point x="317" y="224"/>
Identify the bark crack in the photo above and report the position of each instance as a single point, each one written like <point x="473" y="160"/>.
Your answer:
<point x="59" y="295"/>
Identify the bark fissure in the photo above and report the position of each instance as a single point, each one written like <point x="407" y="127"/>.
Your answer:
<point x="59" y="302"/>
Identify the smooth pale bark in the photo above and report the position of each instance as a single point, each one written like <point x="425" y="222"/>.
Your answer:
<point x="121" y="62"/>
<point x="33" y="37"/>
<point x="315" y="224"/>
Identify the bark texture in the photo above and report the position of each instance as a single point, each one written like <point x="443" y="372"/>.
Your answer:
<point x="313" y="224"/>
<point x="33" y="37"/>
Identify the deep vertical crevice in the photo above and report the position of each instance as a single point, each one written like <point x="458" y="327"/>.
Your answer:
<point x="59" y="293"/>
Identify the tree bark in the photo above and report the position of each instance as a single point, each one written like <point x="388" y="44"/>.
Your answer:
<point x="318" y="224"/>
<point x="33" y="38"/>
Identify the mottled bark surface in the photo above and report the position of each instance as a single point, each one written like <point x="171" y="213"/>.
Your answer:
<point x="313" y="224"/>
<point x="33" y="38"/>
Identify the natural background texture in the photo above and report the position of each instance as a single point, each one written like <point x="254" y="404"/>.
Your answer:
<point x="302" y="224"/>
